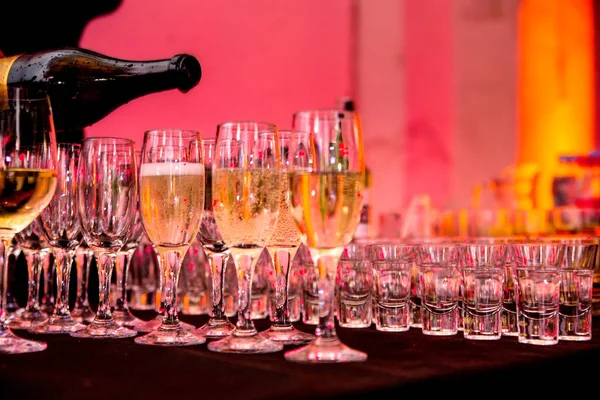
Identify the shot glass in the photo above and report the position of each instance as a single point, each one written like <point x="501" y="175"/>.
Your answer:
<point x="310" y="293"/>
<point x="440" y="280"/>
<point x="392" y="266"/>
<point x="537" y="267"/>
<point x="483" y="268"/>
<point x="354" y="291"/>
<point x="577" y="278"/>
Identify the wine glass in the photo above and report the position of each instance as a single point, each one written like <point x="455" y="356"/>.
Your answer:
<point x="218" y="325"/>
<point x="282" y="247"/>
<point x="326" y="187"/>
<point x="60" y="224"/>
<point x="246" y="186"/>
<point x="121" y="313"/>
<point x="28" y="176"/>
<point x="34" y="245"/>
<point x="107" y="200"/>
<point x="81" y="311"/>
<point x="171" y="203"/>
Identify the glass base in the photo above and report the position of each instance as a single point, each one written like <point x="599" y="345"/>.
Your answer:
<point x="47" y="308"/>
<point x="57" y="325"/>
<point x="325" y="350"/>
<point x="154" y="324"/>
<point x="104" y="330"/>
<point x="28" y="320"/>
<point x="83" y="315"/>
<point x="12" y="344"/>
<point x="287" y="335"/>
<point x="215" y="329"/>
<point x="509" y="333"/>
<point x="127" y="319"/>
<point x="575" y="338"/>
<point x="239" y="344"/>
<point x="164" y="336"/>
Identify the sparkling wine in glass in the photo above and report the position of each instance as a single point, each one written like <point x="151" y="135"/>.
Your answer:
<point x="282" y="247"/>
<point x="218" y="325"/>
<point x="28" y="179"/>
<point x="326" y="186"/>
<point x="171" y="204"/>
<point x="107" y="201"/>
<point x="60" y="224"/>
<point x="246" y="187"/>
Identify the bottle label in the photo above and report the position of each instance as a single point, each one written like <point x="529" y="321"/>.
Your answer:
<point x="5" y="64"/>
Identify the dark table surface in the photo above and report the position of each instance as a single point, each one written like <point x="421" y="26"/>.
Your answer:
<point x="399" y="364"/>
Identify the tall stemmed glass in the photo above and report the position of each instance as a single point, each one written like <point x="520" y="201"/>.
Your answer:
<point x="246" y="186"/>
<point x="81" y="311"/>
<point x="60" y="224"/>
<point x="28" y="178"/>
<point x="107" y="201"/>
<point x="218" y="324"/>
<point x="326" y="189"/>
<point x="172" y="199"/>
<point x="33" y="243"/>
<point x="282" y="248"/>
<point x="121" y="313"/>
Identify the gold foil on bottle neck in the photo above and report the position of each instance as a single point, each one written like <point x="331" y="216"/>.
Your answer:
<point x="5" y="64"/>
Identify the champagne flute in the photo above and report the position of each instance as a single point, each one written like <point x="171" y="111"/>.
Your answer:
<point x="218" y="325"/>
<point x="60" y="224"/>
<point x="172" y="199"/>
<point x="34" y="245"/>
<point x="107" y="200"/>
<point x="28" y="177"/>
<point x="326" y="188"/>
<point x="282" y="248"/>
<point x="246" y="187"/>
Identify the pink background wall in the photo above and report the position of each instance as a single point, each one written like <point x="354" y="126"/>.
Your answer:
<point x="261" y="59"/>
<point x="434" y="80"/>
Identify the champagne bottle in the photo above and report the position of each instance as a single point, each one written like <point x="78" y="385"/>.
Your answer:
<point x="85" y="86"/>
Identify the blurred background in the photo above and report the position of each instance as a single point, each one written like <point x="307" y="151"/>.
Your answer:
<point x="467" y="106"/>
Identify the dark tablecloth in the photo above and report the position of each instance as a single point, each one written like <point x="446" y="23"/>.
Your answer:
<point x="399" y="365"/>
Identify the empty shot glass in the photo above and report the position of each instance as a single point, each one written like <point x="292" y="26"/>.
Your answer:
<point x="482" y="267"/>
<point x="577" y="279"/>
<point x="537" y="267"/>
<point x="392" y="266"/>
<point x="355" y="279"/>
<point x="440" y="280"/>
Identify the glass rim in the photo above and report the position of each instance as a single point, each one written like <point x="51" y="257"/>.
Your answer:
<point x="116" y="140"/>
<point x="259" y="123"/>
<point x="185" y="132"/>
<point x="323" y="113"/>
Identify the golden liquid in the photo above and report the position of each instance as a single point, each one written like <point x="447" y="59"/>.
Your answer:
<point x="286" y="234"/>
<point x="246" y="204"/>
<point x="172" y="200"/>
<point x="326" y="207"/>
<point x="24" y="193"/>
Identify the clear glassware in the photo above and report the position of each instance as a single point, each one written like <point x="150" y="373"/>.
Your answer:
<point x="107" y="200"/>
<point x="246" y="186"/>
<point x="282" y="248"/>
<point x="172" y="199"/>
<point x="121" y="313"/>
<point x="28" y="176"/>
<point x="81" y="312"/>
<point x="195" y="298"/>
<point x="34" y="245"/>
<point x="60" y="224"/>
<point x="326" y="187"/>
<point x="218" y="325"/>
<point x="12" y="308"/>
<point x="49" y="273"/>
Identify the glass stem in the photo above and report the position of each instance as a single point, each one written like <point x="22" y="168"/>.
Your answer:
<point x="170" y="261"/>
<point x="245" y="264"/>
<point x="89" y="257"/>
<point x="326" y="266"/>
<point x="34" y="262"/>
<point x="105" y="268"/>
<point x="80" y="259"/>
<point x="3" y="277"/>
<point x="282" y="262"/>
<point x="64" y="260"/>
<point x="218" y="266"/>
<point x="47" y="268"/>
